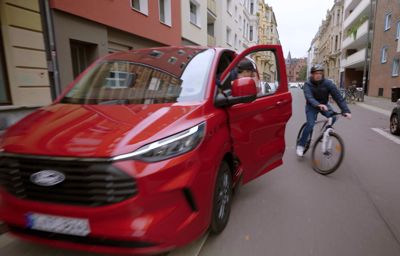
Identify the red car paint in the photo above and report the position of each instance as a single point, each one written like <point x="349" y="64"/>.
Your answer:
<point x="173" y="203"/>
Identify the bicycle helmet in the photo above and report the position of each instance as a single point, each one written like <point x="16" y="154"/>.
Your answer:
<point x="245" y="65"/>
<point x="317" y="67"/>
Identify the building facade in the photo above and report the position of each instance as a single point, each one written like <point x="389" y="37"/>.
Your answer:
<point x="357" y="34"/>
<point x="294" y="67"/>
<point x="233" y="24"/>
<point x="312" y="54"/>
<point x="326" y="46"/>
<point x="195" y="22"/>
<point x="267" y="34"/>
<point x="385" y="61"/>
<point x="45" y="44"/>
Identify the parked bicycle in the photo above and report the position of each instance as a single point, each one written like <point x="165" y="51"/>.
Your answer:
<point x="350" y="95"/>
<point x="327" y="150"/>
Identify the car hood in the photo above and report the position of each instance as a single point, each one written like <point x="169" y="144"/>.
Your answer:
<point x="97" y="130"/>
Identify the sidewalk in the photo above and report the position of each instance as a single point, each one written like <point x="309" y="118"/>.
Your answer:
<point x="378" y="104"/>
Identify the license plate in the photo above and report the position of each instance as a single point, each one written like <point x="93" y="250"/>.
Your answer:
<point x="58" y="224"/>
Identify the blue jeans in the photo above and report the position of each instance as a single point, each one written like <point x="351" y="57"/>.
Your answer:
<point x="312" y="114"/>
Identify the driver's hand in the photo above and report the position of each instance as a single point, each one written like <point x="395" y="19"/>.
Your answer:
<point x="347" y="115"/>
<point x="323" y="107"/>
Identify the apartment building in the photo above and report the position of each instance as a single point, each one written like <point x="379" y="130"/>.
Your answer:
<point x="357" y="35"/>
<point x="267" y="34"/>
<point x="45" y="44"/>
<point x="385" y="61"/>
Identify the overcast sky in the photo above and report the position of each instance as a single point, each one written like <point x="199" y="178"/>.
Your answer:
<point x="298" y="22"/>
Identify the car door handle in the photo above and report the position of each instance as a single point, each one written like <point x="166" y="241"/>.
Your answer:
<point x="281" y="102"/>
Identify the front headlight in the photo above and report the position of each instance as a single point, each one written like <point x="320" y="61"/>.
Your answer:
<point x="169" y="147"/>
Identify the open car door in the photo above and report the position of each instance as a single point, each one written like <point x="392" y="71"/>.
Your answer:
<point x="258" y="127"/>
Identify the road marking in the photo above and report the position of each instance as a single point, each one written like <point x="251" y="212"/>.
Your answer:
<point x="376" y="109"/>
<point x="192" y="249"/>
<point x="387" y="135"/>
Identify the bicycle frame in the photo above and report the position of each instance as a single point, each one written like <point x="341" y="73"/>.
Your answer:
<point x="327" y="129"/>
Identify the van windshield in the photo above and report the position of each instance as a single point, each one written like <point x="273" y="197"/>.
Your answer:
<point x="125" y="82"/>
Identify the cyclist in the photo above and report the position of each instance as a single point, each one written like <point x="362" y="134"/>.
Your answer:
<point x="316" y="91"/>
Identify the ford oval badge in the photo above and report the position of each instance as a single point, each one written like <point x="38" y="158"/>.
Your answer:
<point x="47" y="178"/>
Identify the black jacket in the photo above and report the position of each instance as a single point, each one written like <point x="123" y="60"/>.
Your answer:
<point x="319" y="94"/>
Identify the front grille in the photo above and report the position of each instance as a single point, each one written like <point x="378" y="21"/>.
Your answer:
<point x="86" y="183"/>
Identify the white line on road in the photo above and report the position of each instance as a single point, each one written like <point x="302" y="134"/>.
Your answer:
<point x="386" y="135"/>
<point x="376" y="109"/>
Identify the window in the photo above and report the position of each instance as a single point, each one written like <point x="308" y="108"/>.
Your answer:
<point x="210" y="29"/>
<point x="236" y="13"/>
<point x="251" y="33"/>
<point x="395" y="68"/>
<point x="252" y="8"/>
<point x="83" y="54"/>
<point x="235" y="42"/>
<point x="228" y="36"/>
<point x="229" y="6"/>
<point x="165" y="11"/>
<point x="338" y="18"/>
<point x="194" y="14"/>
<point x="388" y="21"/>
<point x="336" y="43"/>
<point x="398" y="30"/>
<point x="4" y="93"/>
<point x="140" y="6"/>
<point x="384" y="55"/>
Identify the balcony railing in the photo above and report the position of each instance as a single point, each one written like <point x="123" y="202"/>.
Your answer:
<point x="212" y="6"/>
<point x="355" y="60"/>
<point x="360" y="37"/>
<point x="360" y="10"/>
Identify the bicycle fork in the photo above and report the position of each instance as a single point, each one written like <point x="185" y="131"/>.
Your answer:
<point x="327" y="141"/>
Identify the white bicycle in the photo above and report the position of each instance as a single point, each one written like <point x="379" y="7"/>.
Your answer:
<point x="328" y="149"/>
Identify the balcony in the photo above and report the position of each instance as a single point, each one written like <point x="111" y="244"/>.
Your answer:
<point x="355" y="60"/>
<point x="212" y="7"/>
<point x="360" y="40"/>
<point x="211" y="41"/>
<point x="362" y="9"/>
<point x="350" y="4"/>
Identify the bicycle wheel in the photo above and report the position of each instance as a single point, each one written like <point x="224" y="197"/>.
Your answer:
<point x="307" y="146"/>
<point x="329" y="161"/>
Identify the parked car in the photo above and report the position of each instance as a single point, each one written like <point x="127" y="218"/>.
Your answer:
<point x="293" y="85"/>
<point x="395" y="119"/>
<point x="142" y="152"/>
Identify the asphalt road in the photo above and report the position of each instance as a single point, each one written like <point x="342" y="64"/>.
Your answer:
<point x="295" y="211"/>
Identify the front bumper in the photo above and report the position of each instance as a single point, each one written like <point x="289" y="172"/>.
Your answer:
<point x="172" y="208"/>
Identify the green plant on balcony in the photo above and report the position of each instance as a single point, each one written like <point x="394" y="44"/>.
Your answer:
<point x="353" y="30"/>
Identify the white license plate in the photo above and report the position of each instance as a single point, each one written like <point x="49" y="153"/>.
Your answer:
<point x="58" y="224"/>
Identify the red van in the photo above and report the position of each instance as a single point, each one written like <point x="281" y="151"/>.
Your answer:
<point x="142" y="151"/>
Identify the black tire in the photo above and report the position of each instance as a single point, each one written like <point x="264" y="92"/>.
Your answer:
<point x="395" y="125"/>
<point x="307" y="146"/>
<point x="222" y="199"/>
<point x="338" y="149"/>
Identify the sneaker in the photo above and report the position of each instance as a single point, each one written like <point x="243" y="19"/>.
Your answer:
<point x="300" y="151"/>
